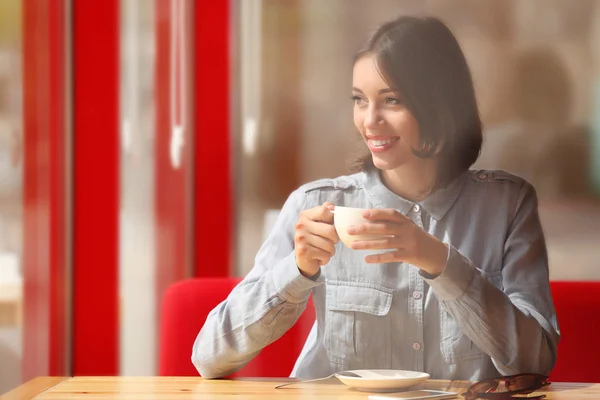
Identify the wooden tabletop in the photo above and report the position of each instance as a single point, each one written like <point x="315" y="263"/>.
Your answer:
<point x="180" y="388"/>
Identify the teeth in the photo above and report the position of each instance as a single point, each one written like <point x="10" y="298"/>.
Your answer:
<point x="381" y="142"/>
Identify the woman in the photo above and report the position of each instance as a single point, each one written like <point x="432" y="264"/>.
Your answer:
<point x="464" y="291"/>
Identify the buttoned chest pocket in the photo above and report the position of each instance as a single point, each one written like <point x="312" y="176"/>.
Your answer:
<point x="358" y="325"/>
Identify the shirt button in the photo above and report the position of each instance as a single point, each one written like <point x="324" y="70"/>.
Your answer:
<point x="416" y="208"/>
<point x="417" y="346"/>
<point x="417" y="295"/>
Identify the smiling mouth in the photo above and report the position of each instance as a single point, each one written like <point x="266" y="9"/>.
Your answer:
<point x="381" y="143"/>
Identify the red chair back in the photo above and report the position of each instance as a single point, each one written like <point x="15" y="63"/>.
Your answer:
<point x="186" y="305"/>
<point x="578" y="311"/>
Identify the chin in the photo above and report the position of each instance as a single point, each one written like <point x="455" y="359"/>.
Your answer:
<point x="384" y="164"/>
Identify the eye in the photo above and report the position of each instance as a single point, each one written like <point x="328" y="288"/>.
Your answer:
<point x="359" y="101"/>
<point x="392" y="101"/>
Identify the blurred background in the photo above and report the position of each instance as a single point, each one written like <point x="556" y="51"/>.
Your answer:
<point x="147" y="141"/>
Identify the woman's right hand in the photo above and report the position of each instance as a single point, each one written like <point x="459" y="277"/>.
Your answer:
<point x="315" y="239"/>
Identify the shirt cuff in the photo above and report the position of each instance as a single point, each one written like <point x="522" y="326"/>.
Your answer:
<point x="456" y="278"/>
<point x="290" y="283"/>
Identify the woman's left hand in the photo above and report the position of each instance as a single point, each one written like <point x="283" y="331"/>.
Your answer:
<point x="406" y="241"/>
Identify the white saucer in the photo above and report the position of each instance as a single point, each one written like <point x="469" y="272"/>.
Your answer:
<point x="382" y="380"/>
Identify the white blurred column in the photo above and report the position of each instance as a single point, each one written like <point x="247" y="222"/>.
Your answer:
<point x="252" y="129"/>
<point x="138" y="317"/>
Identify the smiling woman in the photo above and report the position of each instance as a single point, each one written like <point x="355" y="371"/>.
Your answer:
<point x="420" y="96"/>
<point x="451" y="277"/>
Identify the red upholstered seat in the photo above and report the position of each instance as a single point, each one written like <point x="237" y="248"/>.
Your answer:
<point x="185" y="307"/>
<point x="578" y="311"/>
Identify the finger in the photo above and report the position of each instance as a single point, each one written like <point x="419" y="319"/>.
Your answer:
<point x="329" y="205"/>
<point x="321" y="243"/>
<point x="385" y="214"/>
<point x="311" y="253"/>
<point x="378" y="244"/>
<point x="322" y="256"/>
<point x="376" y="228"/>
<point x="321" y="214"/>
<point x="311" y="234"/>
<point x="388" y="257"/>
<point x="323" y="230"/>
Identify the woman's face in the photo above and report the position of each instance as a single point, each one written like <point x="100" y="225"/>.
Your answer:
<point x="386" y="125"/>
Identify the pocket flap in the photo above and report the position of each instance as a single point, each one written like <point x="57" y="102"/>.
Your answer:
<point x="357" y="296"/>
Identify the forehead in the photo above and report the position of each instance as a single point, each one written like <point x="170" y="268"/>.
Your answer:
<point x="366" y="76"/>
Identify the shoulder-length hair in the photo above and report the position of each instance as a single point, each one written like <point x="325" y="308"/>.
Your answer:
<point x="420" y="58"/>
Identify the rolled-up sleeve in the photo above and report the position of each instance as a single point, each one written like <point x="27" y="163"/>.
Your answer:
<point x="262" y="307"/>
<point x="516" y="326"/>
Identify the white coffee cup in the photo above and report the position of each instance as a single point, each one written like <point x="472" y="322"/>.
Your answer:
<point x="344" y="217"/>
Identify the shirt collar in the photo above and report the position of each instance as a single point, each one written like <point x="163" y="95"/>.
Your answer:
<point x="437" y="204"/>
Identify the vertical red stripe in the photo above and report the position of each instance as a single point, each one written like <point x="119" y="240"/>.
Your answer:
<point x="213" y="193"/>
<point x="178" y="40"/>
<point x="35" y="199"/>
<point x="96" y="186"/>
<point x="56" y="105"/>
<point x="44" y="188"/>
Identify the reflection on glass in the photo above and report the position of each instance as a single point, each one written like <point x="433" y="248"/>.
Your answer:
<point x="11" y="186"/>
<point x="533" y="64"/>
<point x="156" y="165"/>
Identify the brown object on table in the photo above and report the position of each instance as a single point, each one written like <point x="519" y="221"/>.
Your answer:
<point x="148" y="388"/>
<point x="34" y="387"/>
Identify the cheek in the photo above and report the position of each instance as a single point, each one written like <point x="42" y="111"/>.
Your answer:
<point x="408" y="128"/>
<point x="358" y="120"/>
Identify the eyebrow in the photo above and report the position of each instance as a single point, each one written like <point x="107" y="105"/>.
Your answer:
<point x="382" y="91"/>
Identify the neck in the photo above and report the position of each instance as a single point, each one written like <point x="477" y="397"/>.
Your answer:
<point x="413" y="181"/>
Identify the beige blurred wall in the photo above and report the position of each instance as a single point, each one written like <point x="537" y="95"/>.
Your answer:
<point x="313" y="114"/>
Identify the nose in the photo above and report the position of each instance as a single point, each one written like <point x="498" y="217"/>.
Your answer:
<point x="373" y="118"/>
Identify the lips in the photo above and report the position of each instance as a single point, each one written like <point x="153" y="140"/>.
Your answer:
<point x="379" y="144"/>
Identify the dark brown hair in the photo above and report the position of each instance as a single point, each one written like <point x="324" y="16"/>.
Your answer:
<point x="420" y="58"/>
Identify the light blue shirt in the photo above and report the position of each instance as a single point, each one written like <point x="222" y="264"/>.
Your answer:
<point x="489" y="313"/>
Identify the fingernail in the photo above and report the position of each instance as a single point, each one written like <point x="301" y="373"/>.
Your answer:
<point x="367" y="214"/>
<point x="351" y="229"/>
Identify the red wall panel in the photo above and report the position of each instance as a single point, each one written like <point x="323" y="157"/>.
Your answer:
<point x="213" y="181"/>
<point x="96" y="187"/>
